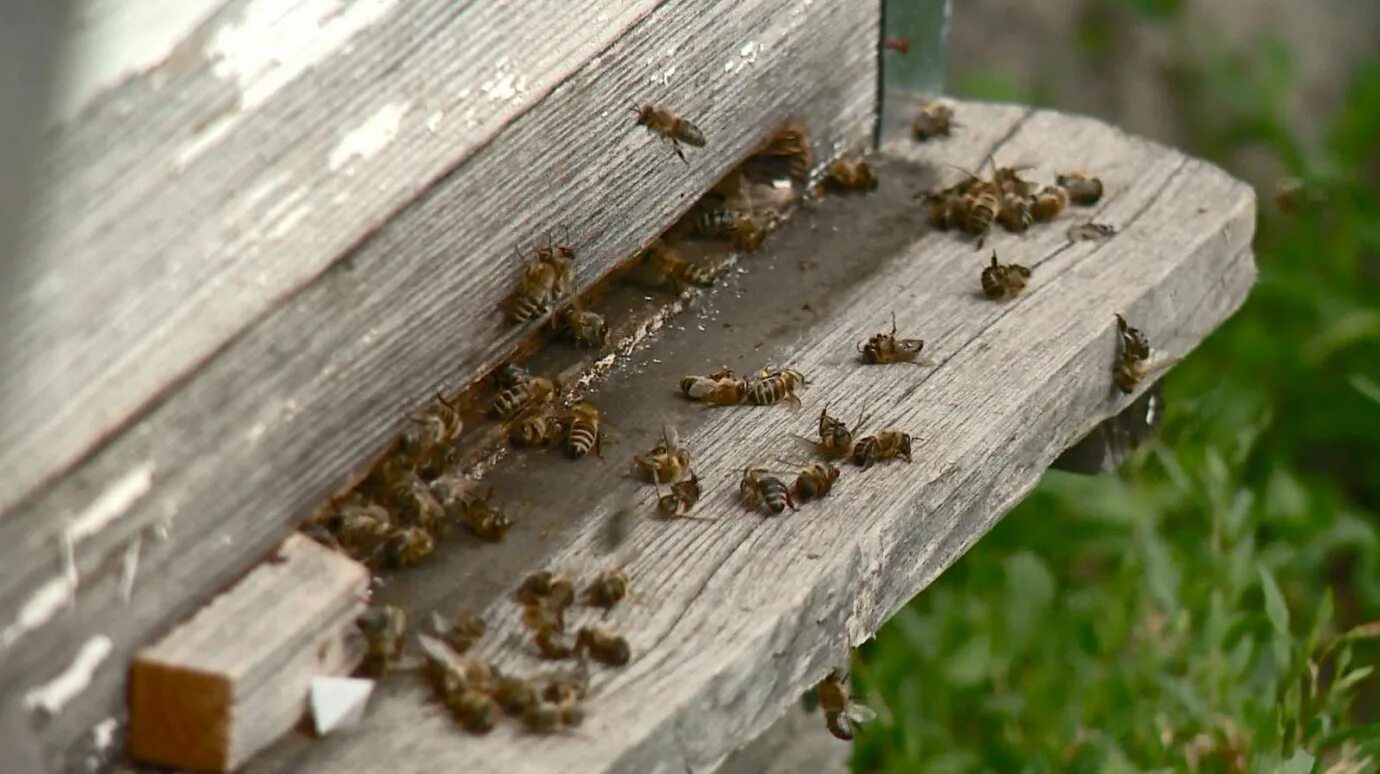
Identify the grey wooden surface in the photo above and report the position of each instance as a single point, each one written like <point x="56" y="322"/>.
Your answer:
<point x="303" y="371"/>
<point x="739" y="615"/>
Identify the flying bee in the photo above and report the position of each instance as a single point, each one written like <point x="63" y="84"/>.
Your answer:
<point x="885" y="445"/>
<point x="544" y="718"/>
<point x="666" y="461"/>
<point x="539" y="429"/>
<point x="1016" y="215"/>
<point x="460" y="631"/>
<point x="512" y="400"/>
<point x="1003" y="281"/>
<point x="1132" y="364"/>
<point x="841" y="713"/>
<point x="514" y="695"/>
<point x="723" y="391"/>
<point x="815" y="480"/>
<point x="383" y="628"/>
<point x="607" y="588"/>
<point x="671" y="127"/>
<point x="774" y="386"/>
<point x="685" y="493"/>
<point x="1049" y="203"/>
<point x="581" y="327"/>
<point x="663" y="265"/>
<point x="934" y="120"/>
<point x="483" y="518"/>
<point x="546" y="585"/>
<point x="899" y="44"/>
<point x="603" y="646"/>
<point x="761" y="489"/>
<point x="583" y="435"/>
<point x="886" y="348"/>
<point x="852" y="175"/>
<point x="409" y="546"/>
<point x="1090" y="231"/>
<point x="1084" y="190"/>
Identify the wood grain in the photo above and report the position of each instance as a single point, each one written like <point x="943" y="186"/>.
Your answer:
<point x="221" y="467"/>
<point x="225" y="684"/>
<point x="741" y="614"/>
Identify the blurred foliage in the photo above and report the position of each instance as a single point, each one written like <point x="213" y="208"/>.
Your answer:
<point x="1215" y="606"/>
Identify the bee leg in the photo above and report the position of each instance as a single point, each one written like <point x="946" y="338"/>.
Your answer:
<point x="675" y="145"/>
<point x="789" y="501"/>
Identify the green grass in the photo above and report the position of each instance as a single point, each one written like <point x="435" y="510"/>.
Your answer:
<point x="1216" y="605"/>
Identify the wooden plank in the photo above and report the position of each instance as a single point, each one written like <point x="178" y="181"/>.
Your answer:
<point x="206" y="482"/>
<point x="216" y="158"/>
<point x="225" y="684"/>
<point x="739" y="615"/>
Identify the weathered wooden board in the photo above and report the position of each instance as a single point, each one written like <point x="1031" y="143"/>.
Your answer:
<point x="213" y="475"/>
<point x="739" y="615"/>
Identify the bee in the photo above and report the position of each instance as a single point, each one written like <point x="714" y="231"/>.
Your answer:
<point x="666" y="461"/>
<point x="475" y="710"/>
<point x="1009" y="181"/>
<point x="1016" y="215"/>
<point x="1049" y="203"/>
<point x="683" y="497"/>
<point x="460" y="631"/>
<point x="671" y="127"/>
<point x="450" y="672"/>
<point x="512" y="400"/>
<point x="485" y="520"/>
<point x="947" y="210"/>
<point x="816" y="480"/>
<point x="607" y="588"/>
<point x="852" y="175"/>
<point x="539" y="428"/>
<point x="581" y="327"/>
<point x="409" y="546"/>
<point x="885" y="445"/>
<point x="543" y="718"/>
<point x="568" y="686"/>
<point x="1001" y="282"/>
<point x="1089" y="231"/>
<point x="773" y="386"/>
<point x="362" y="527"/>
<point x="721" y="391"/>
<point x="514" y="695"/>
<point x="546" y="278"/>
<point x="583" y="435"/>
<point x="551" y="643"/>
<point x="900" y="45"/>
<point x="511" y="375"/>
<point x="934" y="120"/>
<point x="764" y="490"/>
<point x="383" y="628"/>
<point x="663" y="264"/>
<point x="786" y="153"/>
<point x="416" y="502"/>
<point x="1133" y="363"/>
<point x="841" y="713"/>
<point x="748" y="235"/>
<point x="1084" y="190"/>
<point x="835" y="439"/>
<point x="429" y="445"/>
<point x="603" y="646"/>
<point x="983" y="205"/>
<point x="545" y="585"/>
<point x="886" y="348"/>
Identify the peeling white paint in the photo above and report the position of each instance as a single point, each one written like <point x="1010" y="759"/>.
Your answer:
<point x="112" y="503"/>
<point x="103" y="733"/>
<point x="433" y="121"/>
<point x="373" y="135"/>
<point x="191" y="150"/>
<point x="38" y="609"/>
<point x="288" y="221"/>
<point x="259" y="193"/>
<point x="53" y="695"/>
<point x="129" y="568"/>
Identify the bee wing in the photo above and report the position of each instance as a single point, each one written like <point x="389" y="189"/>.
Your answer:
<point x="859" y="713"/>
<point x="670" y="436"/>
<point x="439" y="624"/>
<point x="437" y="651"/>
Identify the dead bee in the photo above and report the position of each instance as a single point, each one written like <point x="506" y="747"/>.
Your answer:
<point x="475" y="710"/>
<point x="450" y="672"/>
<point x="603" y="646"/>
<point x="1050" y="202"/>
<point x="1009" y="181"/>
<point x="1016" y="215"/>
<point x="1089" y="231"/>
<point x="934" y="120"/>
<point x="362" y="527"/>
<point x="568" y="686"/>
<point x="852" y="175"/>
<point x="383" y="627"/>
<point x="409" y="546"/>
<point x="841" y="713"/>
<point x="663" y="265"/>
<point x="551" y="643"/>
<point x="899" y="44"/>
<point x="671" y="127"/>
<point x="538" y="429"/>
<point x="581" y="327"/>
<point x="815" y="480"/>
<point x="417" y="504"/>
<point x="429" y="445"/>
<point x="607" y="588"/>
<point x="683" y="497"/>
<point x="982" y="206"/>
<point x="1001" y="282"/>
<point x="947" y="210"/>
<point x="773" y="386"/>
<point x="886" y="348"/>
<point x="460" y="631"/>
<point x="722" y="391"/>
<point x="514" y="694"/>
<point x="546" y="585"/>
<point x="885" y="445"/>
<point x="763" y="490"/>
<point x="835" y="439"/>
<point x="1084" y="190"/>
<point x="1132" y="364"/>
<point x="511" y="401"/>
<point x="485" y="520"/>
<point x="583" y="435"/>
<point x="511" y="375"/>
<point x="543" y="718"/>
<point x="666" y="461"/>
